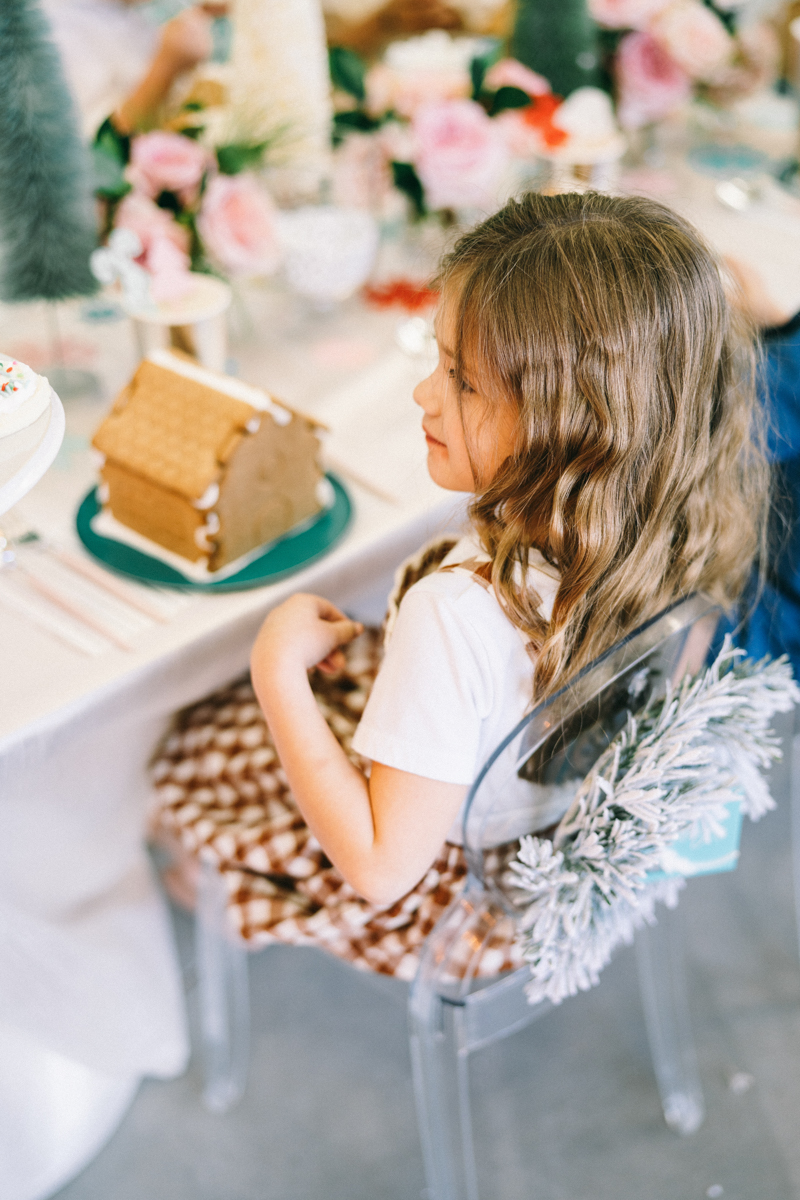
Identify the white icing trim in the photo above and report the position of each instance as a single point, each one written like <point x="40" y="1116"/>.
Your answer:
<point x="253" y="425"/>
<point x="208" y="499"/>
<point x="281" y="416"/>
<point x="204" y="533"/>
<point x="220" y="383"/>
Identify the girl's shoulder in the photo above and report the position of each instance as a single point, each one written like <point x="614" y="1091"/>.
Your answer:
<point x="459" y="580"/>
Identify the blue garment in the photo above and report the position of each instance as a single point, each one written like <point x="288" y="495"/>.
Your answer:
<point x="774" y="627"/>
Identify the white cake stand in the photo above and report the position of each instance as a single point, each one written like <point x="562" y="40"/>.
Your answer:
<point x="26" y="455"/>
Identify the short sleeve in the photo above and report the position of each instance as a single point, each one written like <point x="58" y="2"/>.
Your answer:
<point x="432" y="691"/>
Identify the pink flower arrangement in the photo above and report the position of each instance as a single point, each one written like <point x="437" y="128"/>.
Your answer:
<point x="460" y="154"/>
<point x="625" y="14"/>
<point x="509" y="72"/>
<point x="165" y="246"/>
<point x="238" y="226"/>
<point x="694" y="37"/>
<point x="163" y="161"/>
<point x="650" y="83"/>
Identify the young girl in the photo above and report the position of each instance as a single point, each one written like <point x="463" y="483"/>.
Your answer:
<point x="595" y="397"/>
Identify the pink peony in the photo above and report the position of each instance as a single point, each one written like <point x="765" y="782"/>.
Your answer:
<point x="650" y="83"/>
<point x="509" y="72"/>
<point x="162" y="161"/>
<point x="625" y="14"/>
<point x="459" y="154"/>
<point x="164" y="245"/>
<point x="694" y="37"/>
<point x="238" y="227"/>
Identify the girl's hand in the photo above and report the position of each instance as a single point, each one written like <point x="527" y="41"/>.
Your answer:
<point x="303" y="632"/>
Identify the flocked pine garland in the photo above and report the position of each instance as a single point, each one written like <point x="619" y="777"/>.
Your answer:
<point x="668" y="772"/>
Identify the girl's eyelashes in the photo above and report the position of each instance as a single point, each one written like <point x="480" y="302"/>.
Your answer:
<point x="463" y="384"/>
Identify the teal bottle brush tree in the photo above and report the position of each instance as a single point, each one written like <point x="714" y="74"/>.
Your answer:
<point x="558" y="38"/>
<point x="47" y="223"/>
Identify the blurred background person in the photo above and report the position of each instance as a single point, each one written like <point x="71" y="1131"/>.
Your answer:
<point x="119" y="61"/>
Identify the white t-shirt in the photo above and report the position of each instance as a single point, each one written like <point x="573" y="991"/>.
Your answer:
<point x="455" y="679"/>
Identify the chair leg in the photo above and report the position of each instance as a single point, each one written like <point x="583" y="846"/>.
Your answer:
<point x="792" y="750"/>
<point x="223" y="988"/>
<point x="662" y="982"/>
<point x="441" y="1092"/>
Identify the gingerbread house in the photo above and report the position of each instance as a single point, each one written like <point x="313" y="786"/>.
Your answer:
<point x="205" y="465"/>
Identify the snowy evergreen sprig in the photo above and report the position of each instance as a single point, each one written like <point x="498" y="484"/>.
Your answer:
<point x="667" y="773"/>
<point x="47" y="221"/>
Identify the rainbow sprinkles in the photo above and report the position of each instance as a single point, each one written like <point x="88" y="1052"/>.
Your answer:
<point x="24" y="395"/>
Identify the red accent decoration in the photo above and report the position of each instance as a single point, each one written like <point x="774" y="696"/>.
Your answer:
<point x="413" y="297"/>
<point x="539" y="115"/>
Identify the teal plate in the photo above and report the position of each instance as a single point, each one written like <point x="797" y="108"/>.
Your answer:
<point x="290" y="553"/>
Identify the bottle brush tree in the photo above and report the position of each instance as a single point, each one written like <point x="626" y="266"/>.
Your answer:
<point x="47" y="222"/>
<point x="559" y="39"/>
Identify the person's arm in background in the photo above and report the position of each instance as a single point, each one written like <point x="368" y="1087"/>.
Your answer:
<point x="185" y="41"/>
<point x="392" y="20"/>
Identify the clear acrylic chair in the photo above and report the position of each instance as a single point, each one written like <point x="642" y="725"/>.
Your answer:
<point x="453" y="1013"/>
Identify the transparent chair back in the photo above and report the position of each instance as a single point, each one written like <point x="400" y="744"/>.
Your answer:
<point x="455" y="1005"/>
<point x="531" y="778"/>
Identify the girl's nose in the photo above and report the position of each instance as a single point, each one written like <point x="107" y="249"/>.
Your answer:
<point x="425" y="394"/>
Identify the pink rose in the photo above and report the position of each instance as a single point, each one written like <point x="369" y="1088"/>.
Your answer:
<point x="170" y="277"/>
<point x="238" y="227"/>
<point x="162" y="161"/>
<point x="164" y="245"/>
<point x="624" y="14"/>
<point x="404" y="91"/>
<point x="360" y="173"/>
<point x="694" y="37"/>
<point x="649" y="82"/>
<point x="753" y="68"/>
<point x="459" y="154"/>
<point x="509" y="72"/>
<point x="150" y="222"/>
<point x="522" y="139"/>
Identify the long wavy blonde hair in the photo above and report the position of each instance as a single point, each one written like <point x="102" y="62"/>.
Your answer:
<point x="639" y="470"/>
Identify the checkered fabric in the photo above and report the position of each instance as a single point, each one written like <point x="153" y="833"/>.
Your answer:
<point x="221" y="795"/>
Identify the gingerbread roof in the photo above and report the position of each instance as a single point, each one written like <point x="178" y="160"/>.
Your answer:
<point x="177" y="425"/>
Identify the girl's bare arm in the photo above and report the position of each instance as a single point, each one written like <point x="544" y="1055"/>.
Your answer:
<point x="381" y="833"/>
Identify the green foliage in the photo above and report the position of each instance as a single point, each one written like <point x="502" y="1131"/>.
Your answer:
<point x="347" y="72"/>
<point x="238" y="156"/>
<point x="728" y="16"/>
<point x="111" y="151"/>
<point x="559" y="40"/>
<point x="480" y="65"/>
<point x="408" y="181"/>
<point x="355" y="119"/>
<point x="47" y="220"/>
<point x="505" y="98"/>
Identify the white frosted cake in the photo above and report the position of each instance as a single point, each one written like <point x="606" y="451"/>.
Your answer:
<point x="24" y="396"/>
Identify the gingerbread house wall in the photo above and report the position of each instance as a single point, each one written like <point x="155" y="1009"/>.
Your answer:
<point x="269" y="485"/>
<point x="153" y="511"/>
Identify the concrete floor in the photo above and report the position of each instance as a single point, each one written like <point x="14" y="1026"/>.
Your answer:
<point x="565" y="1110"/>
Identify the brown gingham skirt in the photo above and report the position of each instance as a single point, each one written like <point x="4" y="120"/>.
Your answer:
<point x="221" y="795"/>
